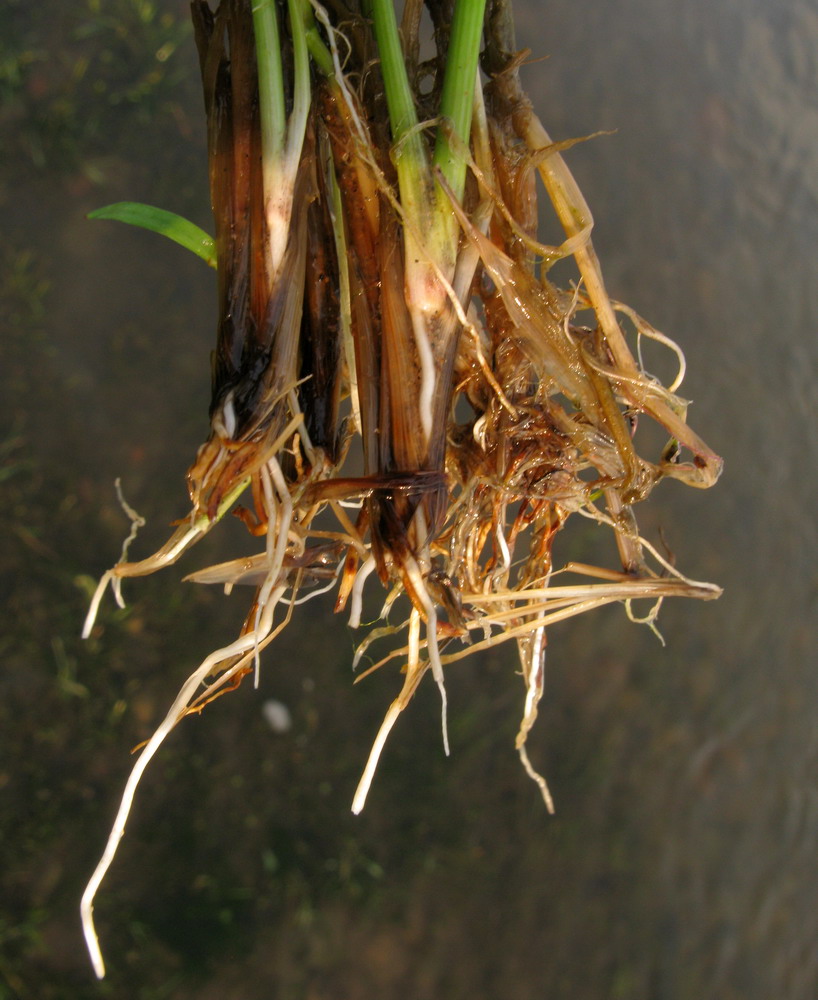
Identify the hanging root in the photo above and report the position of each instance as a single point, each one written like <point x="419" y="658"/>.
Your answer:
<point x="230" y="661"/>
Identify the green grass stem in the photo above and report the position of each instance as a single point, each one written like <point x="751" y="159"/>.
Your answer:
<point x="321" y="55"/>
<point x="301" y="84"/>
<point x="457" y="99"/>
<point x="399" y="98"/>
<point x="270" y="80"/>
<point x="281" y="140"/>
<point x="424" y="201"/>
<point x="411" y="161"/>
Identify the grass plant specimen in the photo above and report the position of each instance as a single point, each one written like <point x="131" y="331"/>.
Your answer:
<point x="400" y="394"/>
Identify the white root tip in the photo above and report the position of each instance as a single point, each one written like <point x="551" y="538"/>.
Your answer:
<point x="538" y="778"/>
<point x="356" y="604"/>
<point x="444" y="721"/>
<point x="93" y="610"/>
<point x="359" y="801"/>
<point x="90" y="933"/>
<point x="437" y="669"/>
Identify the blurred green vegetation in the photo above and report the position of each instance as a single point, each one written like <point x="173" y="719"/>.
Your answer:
<point x="78" y="79"/>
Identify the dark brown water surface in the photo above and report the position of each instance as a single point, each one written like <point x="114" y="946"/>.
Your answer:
<point x="681" y="862"/>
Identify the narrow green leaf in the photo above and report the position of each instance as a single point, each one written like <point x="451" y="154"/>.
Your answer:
<point x="180" y="230"/>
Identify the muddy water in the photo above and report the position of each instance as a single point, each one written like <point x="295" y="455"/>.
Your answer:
<point x="681" y="861"/>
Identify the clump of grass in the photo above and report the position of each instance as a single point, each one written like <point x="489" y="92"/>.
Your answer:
<point x="397" y="383"/>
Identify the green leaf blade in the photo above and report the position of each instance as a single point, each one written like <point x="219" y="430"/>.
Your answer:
<point x="158" y="220"/>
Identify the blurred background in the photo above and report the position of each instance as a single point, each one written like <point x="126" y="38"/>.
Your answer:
<point x="681" y="860"/>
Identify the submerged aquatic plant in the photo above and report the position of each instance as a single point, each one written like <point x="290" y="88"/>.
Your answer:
<point x="397" y="384"/>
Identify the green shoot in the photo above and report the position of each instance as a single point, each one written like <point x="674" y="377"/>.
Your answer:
<point x="281" y="140"/>
<point x="411" y="160"/>
<point x="457" y="100"/>
<point x="270" y="81"/>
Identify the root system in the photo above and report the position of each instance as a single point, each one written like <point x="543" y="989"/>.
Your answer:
<point x="432" y="442"/>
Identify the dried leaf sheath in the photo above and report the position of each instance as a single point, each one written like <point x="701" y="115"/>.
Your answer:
<point x="256" y="360"/>
<point x="226" y="55"/>
<point x="361" y="220"/>
<point x="320" y="361"/>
